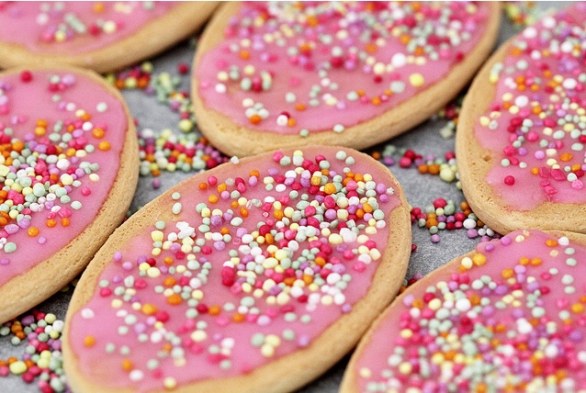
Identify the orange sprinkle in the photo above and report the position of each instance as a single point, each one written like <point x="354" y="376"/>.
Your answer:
<point x="551" y="243"/>
<point x="536" y="261"/>
<point x="370" y="48"/>
<point x="148" y="309"/>
<point x="214" y="310"/>
<point x="244" y="212"/>
<point x="255" y="119"/>
<point x="33" y="231"/>
<point x="98" y="8"/>
<point x="127" y="365"/>
<point x="565" y="157"/>
<point x="89" y="341"/>
<point x="238" y="317"/>
<point x="98" y="133"/>
<point x="329" y="188"/>
<point x="213" y="198"/>
<point x="174" y="299"/>
<point x="104" y="145"/>
<point x="244" y="54"/>
<point x="51" y="223"/>
<point x="507" y="273"/>
<point x="300" y="107"/>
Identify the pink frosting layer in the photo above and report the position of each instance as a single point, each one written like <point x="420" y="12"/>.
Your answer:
<point x="289" y="68"/>
<point x="512" y="320"/>
<point x="32" y="107"/>
<point x="74" y="27"/>
<point x="231" y="305"/>
<point x="535" y="124"/>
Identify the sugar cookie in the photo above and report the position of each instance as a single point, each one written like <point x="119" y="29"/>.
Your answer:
<point x="254" y="276"/>
<point x="289" y="74"/>
<point x="102" y="36"/>
<point x="68" y="171"/>
<point x="522" y="130"/>
<point x="508" y="317"/>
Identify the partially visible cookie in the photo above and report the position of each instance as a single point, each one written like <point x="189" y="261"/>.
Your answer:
<point x="507" y="317"/>
<point x="68" y="171"/>
<point x="522" y="131"/>
<point x="99" y="35"/>
<point x="255" y="276"/>
<point x="286" y="74"/>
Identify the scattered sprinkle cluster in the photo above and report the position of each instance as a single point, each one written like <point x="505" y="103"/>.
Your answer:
<point x="520" y="13"/>
<point x="171" y="152"/>
<point x="444" y="167"/>
<point x="537" y="124"/>
<point x="443" y="215"/>
<point x="246" y="268"/>
<point x="165" y="150"/>
<point x="134" y="77"/>
<point x="509" y="317"/>
<point x="336" y="57"/>
<point x="42" y="360"/>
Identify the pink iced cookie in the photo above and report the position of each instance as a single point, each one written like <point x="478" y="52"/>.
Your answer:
<point x="269" y="75"/>
<point x="99" y="35"/>
<point x="68" y="170"/>
<point x="508" y="317"/>
<point x="255" y="276"/>
<point x="522" y="133"/>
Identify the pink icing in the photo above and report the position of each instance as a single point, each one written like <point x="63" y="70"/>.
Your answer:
<point x="74" y="27"/>
<point x="282" y="69"/>
<point x="548" y="293"/>
<point x="540" y="105"/>
<point x="229" y="348"/>
<point x="77" y="93"/>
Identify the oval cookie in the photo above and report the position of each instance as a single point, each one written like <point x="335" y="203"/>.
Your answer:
<point x="68" y="171"/>
<point x="521" y="136"/>
<point x="507" y="317"/>
<point x="352" y="74"/>
<point x="240" y="277"/>
<point x="102" y="36"/>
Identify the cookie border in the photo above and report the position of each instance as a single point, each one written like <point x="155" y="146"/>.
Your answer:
<point x="51" y="275"/>
<point x="350" y="379"/>
<point x="297" y="368"/>
<point x="149" y="40"/>
<point x="235" y="139"/>
<point x="475" y="162"/>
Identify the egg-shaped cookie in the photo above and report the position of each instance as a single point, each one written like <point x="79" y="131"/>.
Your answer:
<point x="68" y="171"/>
<point x="99" y="35"/>
<point x="255" y="276"/>
<point x="507" y="317"/>
<point x="285" y="74"/>
<point x="522" y="131"/>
